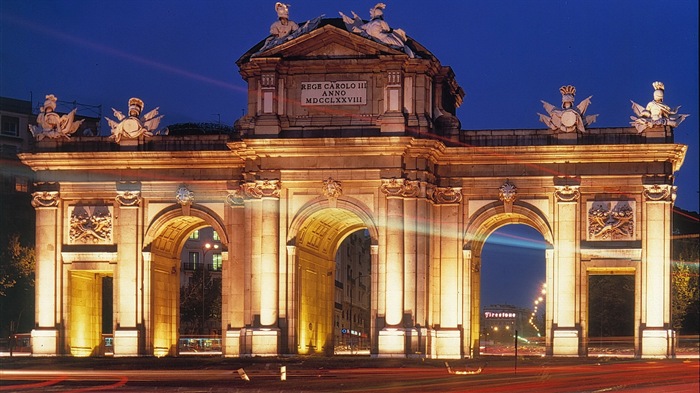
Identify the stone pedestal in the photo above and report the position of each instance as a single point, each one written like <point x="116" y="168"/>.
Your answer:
<point x="45" y="342"/>
<point x="232" y="343"/>
<point x="446" y="344"/>
<point x="565" y="342"/>
<point x="265" y="342"/>
<point x="392" y="343"/>
<point x="126" y="343"/>
<point x="657" y="343"/>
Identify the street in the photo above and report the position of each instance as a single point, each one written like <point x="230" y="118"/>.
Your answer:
<point x="497" y="374"/>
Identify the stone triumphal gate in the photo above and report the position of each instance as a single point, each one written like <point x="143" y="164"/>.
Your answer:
<point x="346" y="130"/>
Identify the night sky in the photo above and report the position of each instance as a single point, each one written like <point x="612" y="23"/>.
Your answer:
<point x="507" y="55"/>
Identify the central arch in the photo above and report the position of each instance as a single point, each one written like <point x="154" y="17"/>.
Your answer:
<point x="486" y="221"/>
<point x="317" y="233"/>
<point x="165" y="239"/>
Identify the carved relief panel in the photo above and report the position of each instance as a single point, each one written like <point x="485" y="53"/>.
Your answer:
<point x="610" y="220"/>
<point x="90" y="224"/>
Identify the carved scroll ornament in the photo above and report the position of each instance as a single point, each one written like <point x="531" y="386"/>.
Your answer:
<point x="262" y="189"/>
<point x="400" y="187"/>
<point x="445" y="195"/>
<point x="235" y="197"/>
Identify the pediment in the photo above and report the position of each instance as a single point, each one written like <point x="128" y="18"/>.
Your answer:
<point x="328" y="42"/>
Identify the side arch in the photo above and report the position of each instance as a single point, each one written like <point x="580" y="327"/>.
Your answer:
<point x="200" y="216"/>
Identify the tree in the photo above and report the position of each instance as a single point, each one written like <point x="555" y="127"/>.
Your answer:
<point x="611" y="305"/>
<point x="16" y="286"/>
<point x="192" y="305"/>
<point x="16" y="265"/>
<point x="684" y="283"/>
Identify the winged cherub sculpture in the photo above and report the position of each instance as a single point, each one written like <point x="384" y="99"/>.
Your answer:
<point x="570" y="118"/>
<point x="656" y="112"/>
<point x="52" y="125"/>
<point x="133" y="126"/>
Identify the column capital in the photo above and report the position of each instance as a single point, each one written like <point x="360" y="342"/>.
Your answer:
<point x="45" y="199"/>
<point x="258" y="189"/>
<point x="444" y="195"/>
<point x="128" y="198"/>
<point x="660" y="192"/>
<point x="567" y="193"/>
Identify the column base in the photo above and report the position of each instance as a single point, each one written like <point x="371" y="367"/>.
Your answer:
<point x="44" y="342"/>
<point x="446" y="344"/>
<point x="264" y="341"/>
<point x="232" y="343"/>
<point x="392" y="343"/>
<point x="565" y="342"/>
<point x="126" y="343"/>
<point x="657" y="343"/>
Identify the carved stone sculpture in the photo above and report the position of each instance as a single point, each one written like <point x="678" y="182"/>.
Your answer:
<point x="184" y="196"/>
<point x="52" y="125"/>
<point x="285" y="29"/>
<point x="611" y="220"/>
<point x="134" y="125"/>
<point x="332" y="188"/>
<point x="91" y="224"/>
<point x="377" y="29"/>
<point x="656" y="113"/>
<point x="570" y="118"/>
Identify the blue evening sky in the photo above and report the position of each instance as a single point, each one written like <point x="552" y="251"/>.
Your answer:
<point x="507" y="55"/>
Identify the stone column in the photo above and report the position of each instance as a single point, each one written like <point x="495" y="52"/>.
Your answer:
<point x="264" y="254"/>
<point x="565" y="332"/>
<point x="448" y="335"/>
<point x="423" y="229"/>
<point x="127" y="285"/>
<point x="391" y="338"/>
<point x="48" y="295"/>
<point x="656" y="271"/>
<point x="233" y="275"/>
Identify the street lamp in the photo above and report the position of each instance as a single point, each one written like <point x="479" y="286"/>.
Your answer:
<point x="207" y="247"/>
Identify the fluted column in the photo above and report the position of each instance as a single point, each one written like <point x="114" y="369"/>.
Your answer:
<point x="233" y="275"/>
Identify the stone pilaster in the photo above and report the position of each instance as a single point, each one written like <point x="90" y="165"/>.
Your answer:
<point x="45" y="336"/>
<point x="127" y="280"/>
<point x="232" y="275"/>
<point x="656" y="263"/>
<point x="565" y="331"/>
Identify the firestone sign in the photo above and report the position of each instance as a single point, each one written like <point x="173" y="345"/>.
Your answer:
<point x="334" y="93"/>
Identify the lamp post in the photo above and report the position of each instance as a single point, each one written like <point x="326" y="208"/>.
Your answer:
<point x="207" y="247"/>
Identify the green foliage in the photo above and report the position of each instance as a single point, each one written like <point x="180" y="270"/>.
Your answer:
<point x="16" y="265"/>
<point x="192" y="305"/>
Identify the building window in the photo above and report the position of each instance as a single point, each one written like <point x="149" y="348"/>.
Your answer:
<point x="21" y="184"/>
<point x="215" y="236"/>
<point x="194" y="235"/>
<point x="194" y="259"/>
<point x="10" y="125"/>
<point x="216" y="262"/>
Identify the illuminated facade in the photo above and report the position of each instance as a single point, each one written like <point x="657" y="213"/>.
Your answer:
<point x="307" y="169"/>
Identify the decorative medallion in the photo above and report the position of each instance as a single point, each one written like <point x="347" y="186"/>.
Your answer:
<point x="184" y="196"/>
<point x="91" y="224"/>
<point x="45" y="199"/>
<point x="611" y="220"/>
<point x="566" y="193"/>
<point x="128" y="198"/>
<point x="660" y="192"/>
<point x="332" y="188"/>
<point x="507" y="192"/>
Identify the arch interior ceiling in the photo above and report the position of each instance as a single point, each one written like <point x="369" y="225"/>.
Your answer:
<point x="168" y="240"/>
<point x="323" y="231"/>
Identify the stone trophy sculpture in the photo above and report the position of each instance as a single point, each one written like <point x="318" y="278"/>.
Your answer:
<point x="570" y="118"/>
<point x="656" y="113"/>
<point x="52" y="125"/>
<point x="285" y="29"/>
<point x="133" y="126"/>
<point x="377" y="29"/>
